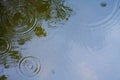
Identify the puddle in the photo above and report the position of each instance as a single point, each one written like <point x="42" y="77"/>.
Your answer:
<point x="52" y="39"/>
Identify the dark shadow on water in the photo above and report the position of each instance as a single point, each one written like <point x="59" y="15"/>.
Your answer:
<point x="21" y="20"/>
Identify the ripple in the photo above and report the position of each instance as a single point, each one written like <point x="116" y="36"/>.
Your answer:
<point x="1" y="69"/>
<point x="29" y="66"/>
<point x="18" y="16"/>
<point x="104" y="16"/>
<point x="5" y="46"/>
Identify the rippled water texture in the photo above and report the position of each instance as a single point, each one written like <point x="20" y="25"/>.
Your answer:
<point x="20" y="22"/>
<point x="95" y="14"/>
<point x="5" y="46"/>
<point x="18" y="16"/>
<point x="29" y="66"/>
<point x="59" y="39"/>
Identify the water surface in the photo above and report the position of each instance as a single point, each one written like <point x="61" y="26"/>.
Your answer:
<point x="59" y="39"/>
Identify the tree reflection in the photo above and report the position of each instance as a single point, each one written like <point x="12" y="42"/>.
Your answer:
<point x="3" y="77"/>
<point x="20" y="19"/>
<point x="39" y="31"/>
<point x="11" y="59"/>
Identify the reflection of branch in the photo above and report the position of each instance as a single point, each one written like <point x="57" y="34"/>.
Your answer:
<point x="39" y="31"/>
<point x="22" y="17"/>
<point x="15" y="55"/>
<point x="41" y="9"/>
<point x="11" y="60"/>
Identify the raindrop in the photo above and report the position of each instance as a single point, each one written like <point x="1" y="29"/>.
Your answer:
<point x="29" y="66"/>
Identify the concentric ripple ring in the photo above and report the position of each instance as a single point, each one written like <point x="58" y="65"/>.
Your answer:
<point x="29" y="66"/>
<point x="108" y="15"/>
<point x="5" y="46"/>
<point x="19" y="17"/>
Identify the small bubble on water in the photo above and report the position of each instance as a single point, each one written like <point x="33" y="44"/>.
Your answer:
<point x="103" y="4"/>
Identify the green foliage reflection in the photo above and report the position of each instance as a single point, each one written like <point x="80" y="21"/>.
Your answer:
<point x="3" y="77"/>
<point x="19" y="21"/>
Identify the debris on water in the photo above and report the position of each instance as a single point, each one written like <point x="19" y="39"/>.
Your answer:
<point x="103" y="4"/>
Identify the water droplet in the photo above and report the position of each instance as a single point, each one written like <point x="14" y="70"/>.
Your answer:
<point x="5" y="46"/>
<point x="29" y="66"/>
